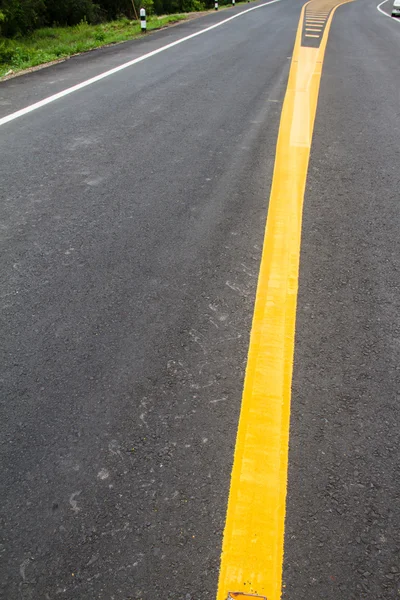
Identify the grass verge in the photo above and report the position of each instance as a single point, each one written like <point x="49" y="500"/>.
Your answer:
<point x="50" y="44"/>
<point x="54" y="43"/>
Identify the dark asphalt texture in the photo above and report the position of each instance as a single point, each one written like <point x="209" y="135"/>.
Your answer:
<point x="133" y="215"/>
<point x="343" y="512"/>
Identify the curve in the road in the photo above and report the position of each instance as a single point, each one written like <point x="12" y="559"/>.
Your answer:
<point x="379" y="7"/>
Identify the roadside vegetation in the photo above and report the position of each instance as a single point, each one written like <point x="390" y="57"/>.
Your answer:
<point x="53" y="43"/>
<point x="34" y="32"/>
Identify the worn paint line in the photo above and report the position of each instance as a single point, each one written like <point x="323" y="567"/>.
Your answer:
<point x="252" y="553"/>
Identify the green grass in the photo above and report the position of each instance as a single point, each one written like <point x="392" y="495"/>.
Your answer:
<point x="53" y="43"/>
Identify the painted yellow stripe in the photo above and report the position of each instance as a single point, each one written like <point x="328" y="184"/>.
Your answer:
<point x="252" y="553"/>
<point x="311" y="35"/>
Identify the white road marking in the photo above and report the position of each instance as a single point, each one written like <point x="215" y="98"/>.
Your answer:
<point x="130" y="63"/>
<point x="380" y="10"/>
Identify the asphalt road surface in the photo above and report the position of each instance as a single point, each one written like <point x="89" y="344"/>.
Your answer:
<point x="132" y="221"/>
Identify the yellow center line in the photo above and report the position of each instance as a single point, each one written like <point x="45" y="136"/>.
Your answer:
<point x="252" y="551"/>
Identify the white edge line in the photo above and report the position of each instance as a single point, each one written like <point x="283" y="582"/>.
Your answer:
<point x="83" y="84"/>
<point x="385" y="13"/>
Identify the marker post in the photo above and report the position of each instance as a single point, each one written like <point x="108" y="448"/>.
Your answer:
<point x="143" y="19"/>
